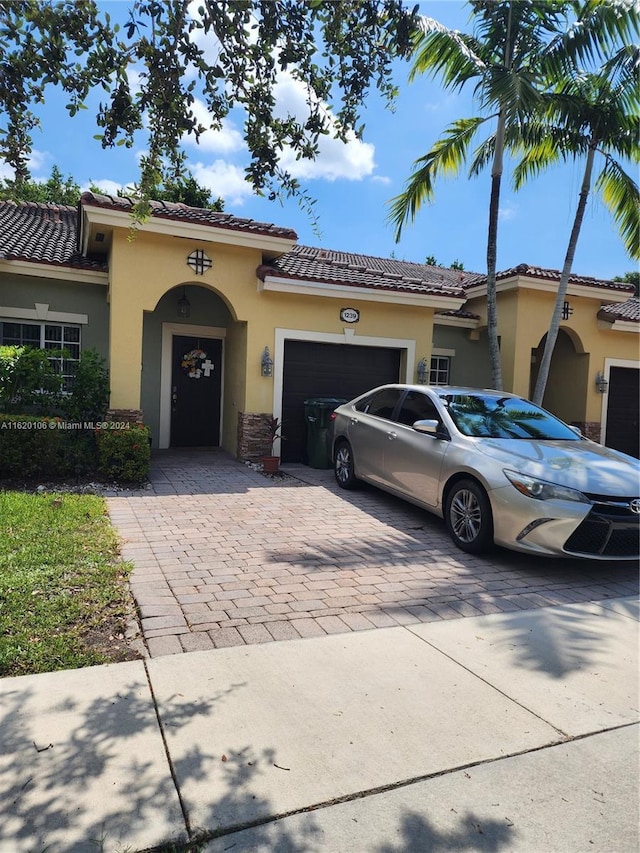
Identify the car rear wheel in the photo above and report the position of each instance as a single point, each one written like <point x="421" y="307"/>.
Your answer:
<point x="343" y="467"/>
<point x="468" y="517"/>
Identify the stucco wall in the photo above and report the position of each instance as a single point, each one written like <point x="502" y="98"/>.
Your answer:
<point x="142" y="271"/>
<point x="524" y="315"/>
<point x="470" y="365"/>
<point x="21" y="291"/>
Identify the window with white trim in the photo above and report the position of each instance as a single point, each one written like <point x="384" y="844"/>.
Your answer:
<point x="439" y="370"/>
<point x="47" y="336"/>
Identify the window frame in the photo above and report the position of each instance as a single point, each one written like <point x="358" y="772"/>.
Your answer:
<point x="436" y="369"/>
<point x="60" y="365"/>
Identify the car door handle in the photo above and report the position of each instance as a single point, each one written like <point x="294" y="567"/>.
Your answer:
<point x="392" y="435"/>
<point x="354" y="420"/>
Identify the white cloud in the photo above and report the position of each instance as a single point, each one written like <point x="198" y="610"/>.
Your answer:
<point x="224" y="141"/>
<point x="37" y="160"/>
<point x="352" y="160"/>
<point x="107" y="186"/>
<point x="507" y="212"/>
<point x="223" y="179"/>
<point x="381" y="179"/>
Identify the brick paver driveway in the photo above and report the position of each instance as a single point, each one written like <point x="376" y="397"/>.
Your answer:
<point x="224" y="556"/>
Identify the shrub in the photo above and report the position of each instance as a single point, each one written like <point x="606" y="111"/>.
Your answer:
<point x="29" y="383"/>
<point x="43" y="447"/>
<point x="89" y="397"/>
<point x="124" y="454"/>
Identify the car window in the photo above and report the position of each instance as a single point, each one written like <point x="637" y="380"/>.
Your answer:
<point x="381" y="404"/>
<point x="416" y="406"/>
<point x="504" y="417"/>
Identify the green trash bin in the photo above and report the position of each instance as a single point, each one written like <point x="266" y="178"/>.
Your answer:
<point x="317" y="411"/>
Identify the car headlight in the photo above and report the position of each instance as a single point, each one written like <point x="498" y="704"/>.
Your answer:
<point x="541" y="490"/>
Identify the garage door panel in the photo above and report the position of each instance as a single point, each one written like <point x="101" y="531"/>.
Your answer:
<point x="623" y="428"/>
<point x="327" y="370"/>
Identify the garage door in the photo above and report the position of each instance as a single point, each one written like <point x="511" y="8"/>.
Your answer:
<point x="623" y="429"/>
<point x="327" y="370"/>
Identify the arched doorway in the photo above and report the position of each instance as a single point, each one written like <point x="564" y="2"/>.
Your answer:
<point x="183" y="358"/>
<point x="566" y="391"/>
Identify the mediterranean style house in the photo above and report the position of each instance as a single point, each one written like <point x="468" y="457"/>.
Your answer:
<point x="209" y="321"/>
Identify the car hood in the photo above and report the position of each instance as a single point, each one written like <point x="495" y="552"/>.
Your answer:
<point x="581" y="465"/>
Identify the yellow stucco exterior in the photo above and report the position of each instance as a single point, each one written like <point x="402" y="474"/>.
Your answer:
<point x="143" y="269"/>
<point x="524" y="314"/>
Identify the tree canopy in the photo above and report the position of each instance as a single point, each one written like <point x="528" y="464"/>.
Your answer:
<point x="171" y="55"/>
<point x="60" y="190"/>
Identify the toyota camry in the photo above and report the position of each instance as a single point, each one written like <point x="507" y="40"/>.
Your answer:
<point x="496" y="467"/>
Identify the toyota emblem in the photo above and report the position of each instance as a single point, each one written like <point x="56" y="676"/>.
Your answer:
<point x="634" y="506"/>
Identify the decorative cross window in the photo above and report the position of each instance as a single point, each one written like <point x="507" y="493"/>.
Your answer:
<point x="199" y="262"/>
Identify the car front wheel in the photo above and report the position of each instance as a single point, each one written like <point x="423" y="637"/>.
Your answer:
<point x="468" y="517"/>
<point x="343" y="467"/>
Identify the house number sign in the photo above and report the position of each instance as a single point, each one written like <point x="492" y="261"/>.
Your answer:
<point x="349" y="315"/>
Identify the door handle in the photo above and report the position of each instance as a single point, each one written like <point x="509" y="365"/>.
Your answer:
<point x="354" y="420"/>
<point x="392" y="435"/>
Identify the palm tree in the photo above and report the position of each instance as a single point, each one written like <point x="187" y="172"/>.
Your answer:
<point x="518" y="44"/>
<point x="595" y="116"/>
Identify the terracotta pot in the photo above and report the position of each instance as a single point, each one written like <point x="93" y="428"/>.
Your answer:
<point x="270" y="464"/>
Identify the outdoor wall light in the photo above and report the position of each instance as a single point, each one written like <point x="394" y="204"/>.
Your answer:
<point x="184" y="306"/>
<point x="602" y="386"/>
<point x="266" y="363"/>
<point x="423" y="371"/>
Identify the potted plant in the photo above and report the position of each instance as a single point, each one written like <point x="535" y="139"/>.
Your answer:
<point x="271" y="464"/>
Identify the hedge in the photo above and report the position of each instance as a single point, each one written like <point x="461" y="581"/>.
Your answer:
<point x="51" y="447"/>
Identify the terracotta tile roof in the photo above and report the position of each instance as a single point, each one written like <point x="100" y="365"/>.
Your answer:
<point x="628" y="311"/>
<point x="195" y="215"/>
<point x="464" y="315"/>
<point x="308" y="263"/>
<point x="43" y="234"/>
<point x="552" y="275"/>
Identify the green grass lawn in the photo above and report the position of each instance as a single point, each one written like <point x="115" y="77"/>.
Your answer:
<point x="64" y="598"/>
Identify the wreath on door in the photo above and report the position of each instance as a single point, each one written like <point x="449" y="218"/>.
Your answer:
<point x="192" y="363"/>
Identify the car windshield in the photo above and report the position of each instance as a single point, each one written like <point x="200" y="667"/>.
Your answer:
<point x="489" y="416"/>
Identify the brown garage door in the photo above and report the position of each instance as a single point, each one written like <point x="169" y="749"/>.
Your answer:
<point x="623" y="428"/>
<point x="327" y="370"/>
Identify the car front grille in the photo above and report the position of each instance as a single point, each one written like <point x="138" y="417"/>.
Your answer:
<point x="610" y="530"/>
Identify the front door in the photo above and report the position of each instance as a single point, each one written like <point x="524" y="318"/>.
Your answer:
<point x="196" y="377"/>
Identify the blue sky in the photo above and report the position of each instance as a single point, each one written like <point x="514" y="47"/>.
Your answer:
<point x="353" y="183"/>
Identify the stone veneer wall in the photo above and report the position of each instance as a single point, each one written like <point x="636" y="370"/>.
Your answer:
<point x="129" y="416"/>
<point x="590" y="429"/>
<point x="253" y="436"/>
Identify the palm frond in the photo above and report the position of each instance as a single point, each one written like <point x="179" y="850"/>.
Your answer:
<point x="445" y="158"/>
<point x="600" y="27"/>
<point x="620" y="194"/>
<point x="453" y="55"/>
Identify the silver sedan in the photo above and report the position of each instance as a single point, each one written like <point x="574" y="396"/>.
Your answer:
<point x="495" y="467"/>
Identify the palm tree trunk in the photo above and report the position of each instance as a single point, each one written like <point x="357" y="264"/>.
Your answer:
<point x="492" y="250"/>
<point x="492" y="236"/>
<point x="554" y="326"/>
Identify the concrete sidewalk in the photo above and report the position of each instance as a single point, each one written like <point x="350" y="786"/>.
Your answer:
<point x="504" y="732"/>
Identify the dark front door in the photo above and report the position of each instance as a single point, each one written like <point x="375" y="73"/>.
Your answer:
<point x="623" y="416"/>
<point x="195" y="392"/>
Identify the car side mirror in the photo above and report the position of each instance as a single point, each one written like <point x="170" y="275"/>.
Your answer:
<point x="429" y="427"/>
<point x="575" y="429"/>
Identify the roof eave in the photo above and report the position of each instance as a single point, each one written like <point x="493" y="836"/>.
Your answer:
<point x="47" y="269"/>
<point x="203" y="232"/>
<point x="591" y="291"/>
<point x="365" y="294"/>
